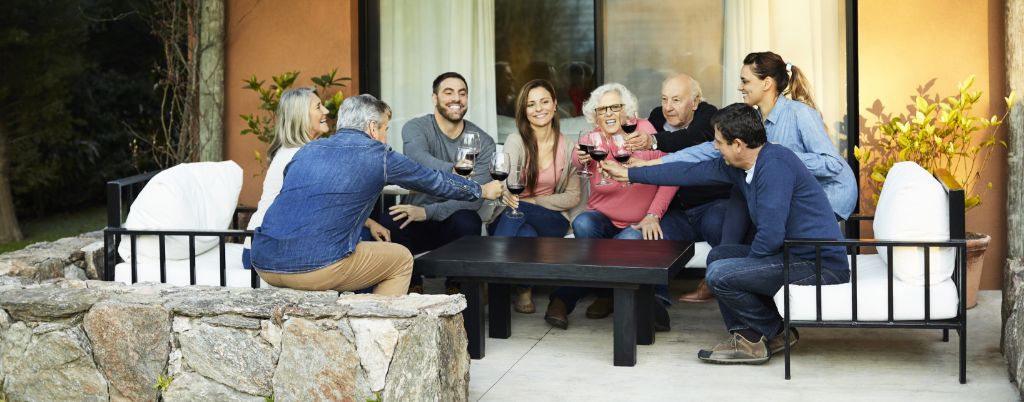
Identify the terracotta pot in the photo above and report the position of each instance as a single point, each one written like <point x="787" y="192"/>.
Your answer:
<point x="977" y="243"/>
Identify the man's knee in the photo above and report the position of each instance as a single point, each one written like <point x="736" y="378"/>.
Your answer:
<point x="465" y="223"/>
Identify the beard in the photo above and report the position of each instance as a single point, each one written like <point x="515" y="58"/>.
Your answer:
<point x="453" y="117"/>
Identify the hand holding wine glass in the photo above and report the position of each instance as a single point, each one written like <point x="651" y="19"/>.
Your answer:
<point x="516" y="185"/>
<point x="599" y="153"/>
<point x="621" y="151"/>
<point x="585" y="145"/>
<point x="499" y="168"/>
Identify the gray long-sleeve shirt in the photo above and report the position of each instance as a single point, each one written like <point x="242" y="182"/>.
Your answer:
<point x="424" y="142"/>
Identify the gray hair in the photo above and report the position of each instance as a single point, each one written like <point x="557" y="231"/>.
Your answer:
<point x="292" y="127"/>
<point x="628" y="100"/>
<point x="356" y="112"/>
<point x="695" y="90"/>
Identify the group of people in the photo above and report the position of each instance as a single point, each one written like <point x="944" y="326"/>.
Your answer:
<point x="742" y="178"/>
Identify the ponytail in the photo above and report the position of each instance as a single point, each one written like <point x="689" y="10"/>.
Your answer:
<point x="789" y="80"/>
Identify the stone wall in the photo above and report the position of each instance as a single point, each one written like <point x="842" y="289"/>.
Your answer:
<point x="88" y="340"/>
<point x="1013" y="320"/>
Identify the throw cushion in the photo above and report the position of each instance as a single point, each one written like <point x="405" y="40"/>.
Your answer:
<point x="190" y="196"/>
<point x="913" y="206"/>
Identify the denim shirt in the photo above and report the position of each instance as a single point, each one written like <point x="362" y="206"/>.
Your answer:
<point x="329" y="190"/>
<point x="798" y="127"/>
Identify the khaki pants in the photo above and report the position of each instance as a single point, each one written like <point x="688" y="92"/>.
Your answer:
<point x="386" y="265"/>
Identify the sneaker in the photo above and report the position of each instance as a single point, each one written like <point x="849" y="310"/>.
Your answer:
<point x="778" y="343"/>
<point x="600" y="308"/>
<point x="737" y="350"/>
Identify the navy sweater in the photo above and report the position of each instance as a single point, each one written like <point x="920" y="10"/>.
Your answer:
<point x="784" y="199"/>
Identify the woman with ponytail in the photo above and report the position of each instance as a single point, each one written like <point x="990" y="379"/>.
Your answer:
<point x="781" y="93"/>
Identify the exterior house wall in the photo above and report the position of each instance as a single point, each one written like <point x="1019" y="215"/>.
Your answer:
<point x="268" y="38"/>
<point x="904" y="44"/>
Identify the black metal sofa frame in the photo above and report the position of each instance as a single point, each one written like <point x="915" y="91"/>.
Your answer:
<point x="957" y="232"/>
<point x="120" y="195"/>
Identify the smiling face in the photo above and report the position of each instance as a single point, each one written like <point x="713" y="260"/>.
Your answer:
<point x="317" y="118"/>
<point x="730" y="151"/>
<point x="753" y="89"/>
<point x="608" y="119"/>
<point x="451" y="99"/>
<point x="677" y="103"/>
<point x="540" y="107"/>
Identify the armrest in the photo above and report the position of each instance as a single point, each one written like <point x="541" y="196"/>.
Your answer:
<point x="859" y="217"/>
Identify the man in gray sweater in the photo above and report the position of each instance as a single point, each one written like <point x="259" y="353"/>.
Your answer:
<point x="426" y="222"/>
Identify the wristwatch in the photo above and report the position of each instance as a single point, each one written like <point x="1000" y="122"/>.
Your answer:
<point x="654" y="142"/>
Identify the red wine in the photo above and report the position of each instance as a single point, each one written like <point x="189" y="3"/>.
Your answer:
<point x="629" y="128"/>
<point x="598" y="154"/>
<point x="499" y="176"/>
<point x="586" y="148"/>
<point x="516" y="188"/>
<point x="464" y="170"/>
<point x="622" y="158"/>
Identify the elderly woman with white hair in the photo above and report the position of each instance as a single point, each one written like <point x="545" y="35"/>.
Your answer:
<point x="613" y="211"/>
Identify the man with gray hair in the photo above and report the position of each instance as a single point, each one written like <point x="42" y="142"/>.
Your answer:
<point x="309" y="238"/>
<point x="684" y="120"/>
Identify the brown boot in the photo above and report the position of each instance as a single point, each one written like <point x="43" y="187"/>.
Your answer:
<point x="600" y="308"/>
<point x="699" y="295"/>
<point x="524" y="301"/>
<point x="557" y="314"/>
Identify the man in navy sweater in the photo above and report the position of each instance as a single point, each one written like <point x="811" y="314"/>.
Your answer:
<point x="785" y="201"/>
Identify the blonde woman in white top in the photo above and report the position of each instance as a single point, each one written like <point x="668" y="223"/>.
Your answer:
<point x="301" y="118"/>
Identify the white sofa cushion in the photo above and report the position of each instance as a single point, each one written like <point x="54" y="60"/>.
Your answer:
<point x="190" y="196"/>
<point x="700" y="255"/>
<point x="872" y="297"/>
<point x="914" y="206"/>
<point x="207" y="269"/>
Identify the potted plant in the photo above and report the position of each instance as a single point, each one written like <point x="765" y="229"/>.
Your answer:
<point x="938" y="133"/>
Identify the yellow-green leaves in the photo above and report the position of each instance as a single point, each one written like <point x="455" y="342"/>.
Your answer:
<point x="1010" y="100"/>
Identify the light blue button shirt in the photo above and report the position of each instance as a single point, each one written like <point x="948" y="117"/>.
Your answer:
<point x="798" y="127"/>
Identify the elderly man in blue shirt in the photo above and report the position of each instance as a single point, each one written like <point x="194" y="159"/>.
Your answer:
<point x="784" y="200"/>
<point x="309" y="238"/>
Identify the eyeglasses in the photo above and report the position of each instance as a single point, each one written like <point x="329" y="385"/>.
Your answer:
<point x="604" y="109"/>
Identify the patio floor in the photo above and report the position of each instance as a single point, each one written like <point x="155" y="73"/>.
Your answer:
<point x="539" y="363"/>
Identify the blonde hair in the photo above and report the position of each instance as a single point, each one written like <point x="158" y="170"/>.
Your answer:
<point x="292" y="127"/>
<point x="630" y="104"/>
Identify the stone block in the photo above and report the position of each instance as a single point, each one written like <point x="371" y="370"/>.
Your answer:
<point x="191" y="387"/>
<point x="318" y="365"/>
<point x="56" y="366"/>
<point x="130" y="344"/>
<point x="235" y="357"/>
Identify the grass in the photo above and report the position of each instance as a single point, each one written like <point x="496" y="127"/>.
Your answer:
<point x="58" y="226"/>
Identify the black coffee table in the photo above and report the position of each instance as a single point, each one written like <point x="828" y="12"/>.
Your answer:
<point x="631" y="267"/>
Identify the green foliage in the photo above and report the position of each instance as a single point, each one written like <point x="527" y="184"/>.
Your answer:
<point x="376" y="398"/>
<point x="936" y="133"/>
<point x="268" y="398"/>
<point x="261" y="124"/>
<point x="75" y="74"/>
<point x="163" y="382"/>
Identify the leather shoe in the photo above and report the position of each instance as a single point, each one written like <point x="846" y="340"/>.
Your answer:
<point x="600" y="308"/>
<point x="699" y="295"/>
<point x="557" y="314"/>
<point x="524" y="301"/>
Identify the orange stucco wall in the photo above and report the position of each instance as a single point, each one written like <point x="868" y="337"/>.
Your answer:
<point x="904" y="44"/>
<point x="267" y="38"/>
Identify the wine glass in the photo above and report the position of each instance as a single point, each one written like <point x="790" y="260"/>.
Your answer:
<point x="631" y="123"/>
<point x="471" y="140"/>
<point x="499" y="168"/>
<point x="599" y="152"/>
<point x="515" y="184"/>
<point x="585" y="145"/>
<point x="464" y="161"/>
<point x="621" y="151"/>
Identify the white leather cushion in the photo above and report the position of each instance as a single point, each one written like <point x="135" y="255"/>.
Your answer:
<point x="190" y="196"/>
<point x="914" y="206"/>
<point x="207" y="269"/>
<point x="700" y="255"/>
<point x="872" y="297"/>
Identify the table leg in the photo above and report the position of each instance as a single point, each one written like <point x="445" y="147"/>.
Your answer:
<point x="645" y="315"/>
<point x="625" y="327"/>
<point x="499" y="311"/>
<point x="474" y="317"/>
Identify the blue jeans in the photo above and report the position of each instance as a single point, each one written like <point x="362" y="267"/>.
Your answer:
<point x="745" y="286"/>
<point x="699" y="223"/>
<point x="595" y="225"/>
<point x="536" y="221"/>
<point x="424" y="236"/>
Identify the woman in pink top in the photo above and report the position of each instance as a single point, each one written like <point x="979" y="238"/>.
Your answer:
<point x="613" y="211"/>
<point x="552" y="186"/>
